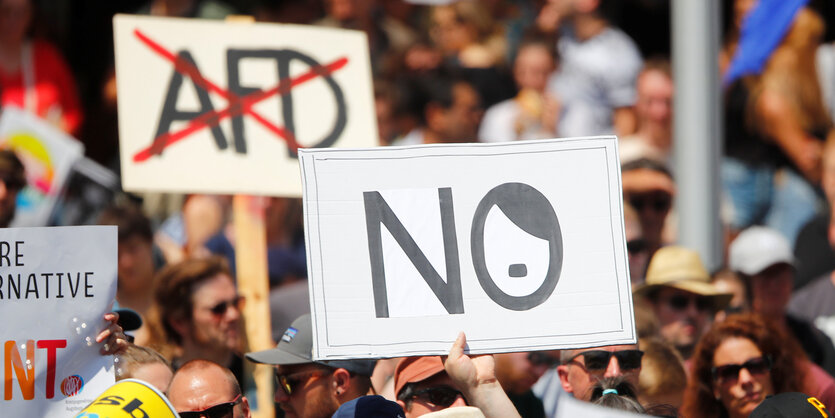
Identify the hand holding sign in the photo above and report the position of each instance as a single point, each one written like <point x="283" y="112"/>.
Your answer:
<point x="113" y="336"/>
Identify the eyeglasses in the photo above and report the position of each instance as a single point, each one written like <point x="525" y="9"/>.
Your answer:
<point x="658" y="202"/>
<point x="730" y="372"/>
<point x="598" y="360"/>
<point x="636" y="246"/>
<point x="221" y="410"/>
<point x="682" y="302"/>
<point x="290" y="382"/>
<point x="221" y="308"/>
<point x="442" y="396"/>
<point x="538" y="358"/>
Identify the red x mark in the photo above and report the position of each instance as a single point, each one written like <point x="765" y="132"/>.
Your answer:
<point x="237" y="105"/>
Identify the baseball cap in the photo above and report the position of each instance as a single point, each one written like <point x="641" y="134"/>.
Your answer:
<point x="681" y="268"/>
<point x="372" y="406"/>
<point x="791" y="405"/>
<point x="296" y="347"/>
<point x="416" y="369"/>
<point x="758" y="248"/>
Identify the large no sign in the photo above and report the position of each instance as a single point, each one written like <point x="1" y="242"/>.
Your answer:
<point x="224" y="107"/>
<point x="520" y="245"/>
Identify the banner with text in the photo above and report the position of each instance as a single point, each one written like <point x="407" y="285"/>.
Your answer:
<point x="214" y="107"/>
<point x="521" y="245"/>
<point x="56" y="284"/>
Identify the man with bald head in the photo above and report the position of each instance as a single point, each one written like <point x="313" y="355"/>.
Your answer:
<point x="202" y="388"/>
<point x="581" y="369"/>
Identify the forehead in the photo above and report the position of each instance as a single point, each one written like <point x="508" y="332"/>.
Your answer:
<point x="611" y="348"/>
<point x="198" y="389"/>
<point x="217" y="286"/>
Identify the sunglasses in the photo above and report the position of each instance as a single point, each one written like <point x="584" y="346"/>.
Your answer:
<point x="636" y="246"/>
<point x="730" y="372"/>
<point x="221" y="410"/>
<point x="538" y="358"/>
<point x="221" y="308"/>
<point x="682" y="302"/>
<point x="656" y="202"/>
<point x="442" y="396"/>
<point x="598" y="360"/>
<point x="291" y="382"/>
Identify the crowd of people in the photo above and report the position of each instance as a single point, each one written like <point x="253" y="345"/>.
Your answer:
<point x="739" y="341"/>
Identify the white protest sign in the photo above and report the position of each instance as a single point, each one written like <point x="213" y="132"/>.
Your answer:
<point x="520" y="245"/>
<point x="55" y="286"/>
<point x="48" y="155"/>
<point x="215" y="107"/>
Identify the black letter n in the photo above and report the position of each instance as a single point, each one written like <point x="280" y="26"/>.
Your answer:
<point x="377" y="211"/>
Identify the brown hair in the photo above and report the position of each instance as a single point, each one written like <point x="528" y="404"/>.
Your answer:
<point x="130" y="221"/>
<point x="787" y="371"/>
<point x="175" y="283"/>
<point x="134" y="356"/>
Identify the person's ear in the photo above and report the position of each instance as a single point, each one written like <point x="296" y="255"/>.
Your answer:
<point x="341" y="381"/>
<point x="562" y="372"/>
<point x="181" y="325"/>
<point x="245" y="406"/>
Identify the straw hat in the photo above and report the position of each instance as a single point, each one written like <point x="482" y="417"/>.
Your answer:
<point x="681" y="268"/>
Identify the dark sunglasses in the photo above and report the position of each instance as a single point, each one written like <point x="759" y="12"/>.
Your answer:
<point x="730" y="372"/>
<point x="636" y="246"/>
<point x="598" y="360"/>
<point x="656" y="202"/>
<point x="291" y="382"/>
<point x="442" y="396"/>
<point x="221" y="410"/>
<point x="221" y="308"/>
<point x="682" y="302"/>
<point x="538" y="358"/>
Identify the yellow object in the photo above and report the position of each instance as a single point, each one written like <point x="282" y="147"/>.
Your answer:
<point x="129" y="398"/>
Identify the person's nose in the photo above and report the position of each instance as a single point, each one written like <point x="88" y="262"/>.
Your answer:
<point x="459" y="401"/>
<point x="614" y="368"/>
<point x="745" y="377"/>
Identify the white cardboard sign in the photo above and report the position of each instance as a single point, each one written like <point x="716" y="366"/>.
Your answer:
<point x="214" y="107"/>
<point x="520" y="245"/>
<point x="47" y="153"/>
<point x="55" y="286"/>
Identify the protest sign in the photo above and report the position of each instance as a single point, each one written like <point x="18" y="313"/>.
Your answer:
<point x="520" y="245"/>
<point x="130" y="398"/>
<point x="55" y="286"/>
<point x="219" y="107"/>
<point x="48" y="155"/>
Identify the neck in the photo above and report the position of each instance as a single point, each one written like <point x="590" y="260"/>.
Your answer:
<point x="193" y="350"/>
<point x="588" y="26"/>
<point x="431" y="137"/>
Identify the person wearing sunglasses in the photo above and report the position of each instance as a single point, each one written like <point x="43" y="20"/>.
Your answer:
<point x="200" y="312"/>
<point x="582" y="369"/>
<point x="203" y="389"/>
<point x="421" y="386"/>
<point x="763" y="259"/>
<point x="678" y="290"/>
<point x="312" y="389"/>
<point x="737" y="364"/>
<point x="649" y="188"/>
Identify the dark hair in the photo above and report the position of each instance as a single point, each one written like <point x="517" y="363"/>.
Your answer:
<point x="616" y="393"/>
<point x="129" y="219"/>
<point x="12" y="172"/>
<point x="175" y="284"/>
<point x="787" y="371"/>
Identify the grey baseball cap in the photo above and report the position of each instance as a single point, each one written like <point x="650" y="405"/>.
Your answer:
<point x="296" y="347"/>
